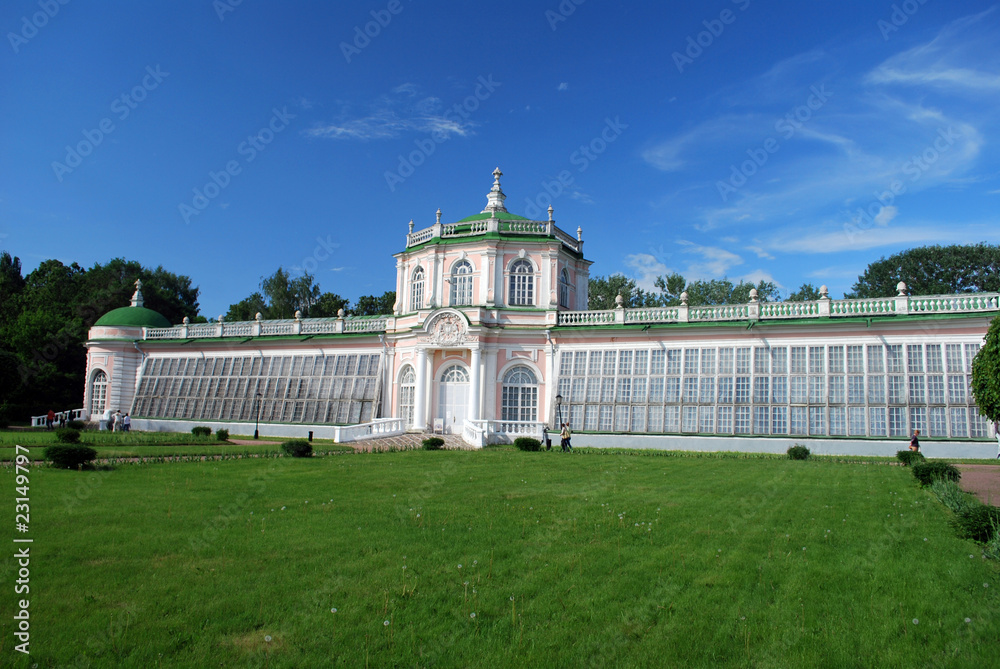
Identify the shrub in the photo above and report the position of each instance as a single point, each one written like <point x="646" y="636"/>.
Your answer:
<point x="798" y="452"/>
<point x="978" y="522"/>
<point x="76" y="424"/>
<point x="297" y="448"/>
<point x="68" y="435"/>
<point x="201" y="431"/>
<point x="952" y="496"/>
<point x="928" y="472"/>
<point x="69" y="456"/>
<point x="527" y="444"/>
<point x="910" y="458"/>
<point x="433" y="443"/>
<point x="992" y="548"/>
<point x="222" y="435"/>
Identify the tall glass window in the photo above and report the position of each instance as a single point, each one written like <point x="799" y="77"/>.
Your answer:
<point x="461" y="283"/>
<point x="407" y="393"/>
<point x="564" y="289"/>
<point x="98" y="393"/>
<point x="519" y="399"/>
<point x="417" y="289"/>
<point x="522" y="283"/>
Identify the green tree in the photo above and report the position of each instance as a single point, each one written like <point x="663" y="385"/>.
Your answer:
<point x="806" y="293"/>
<point x="286" y="295"/>
<point x="247" y="308"/>
<point x="602" y="292"/>
<point x="722" y="291"/>
<point x="370" y="305"/>
<point x="328" y="305"/>
<point x="933" y="270"/>
<point x="986" y="374"/>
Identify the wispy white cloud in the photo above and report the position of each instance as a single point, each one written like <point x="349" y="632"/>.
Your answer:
<point x="850" y="237"/>
<point x="404" y="110"/>
<point x="714" y="262"/>
<point x="562" y="86"/>
<point x="646" y="268"/>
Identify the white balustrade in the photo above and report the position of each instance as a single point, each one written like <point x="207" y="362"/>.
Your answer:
<point x="380" y="427"/>
<point x="586" y="317"/>
<point x="475" y="432"/>
<point x="788" y="309"/>
<point x="727" y="312"/>
<point x="882" y="305"/>
<point x="653" y="315"/>
<point x="969" y="302"/>
<point x="419" y="237"/>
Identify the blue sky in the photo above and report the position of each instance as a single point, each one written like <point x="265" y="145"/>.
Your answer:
<point x="789" y="141"/>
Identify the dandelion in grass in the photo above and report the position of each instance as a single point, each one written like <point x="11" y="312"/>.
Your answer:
<point x="472" y="615"/>
<point x="916" y="622"/>
<point x="267" y="638"/>
<point x="986" y="585"/>
<point x="385" y="623"/>
<point x="459" y="566"/>
<point x="333" y="610"/>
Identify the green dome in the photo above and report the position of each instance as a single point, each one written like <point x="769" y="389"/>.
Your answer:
<point x="135" y="317"/>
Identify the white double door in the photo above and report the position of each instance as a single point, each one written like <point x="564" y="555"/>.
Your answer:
<point x="453" y="405"/>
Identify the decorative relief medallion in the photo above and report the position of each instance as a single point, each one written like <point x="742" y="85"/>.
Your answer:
<point x="447" y="330"/>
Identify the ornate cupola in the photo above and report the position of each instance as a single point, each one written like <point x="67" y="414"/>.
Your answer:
<point x="494" y="201"/>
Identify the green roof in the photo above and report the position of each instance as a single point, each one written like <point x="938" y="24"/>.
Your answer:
<point x="502" y="217"/>
<point x="133" y="317"/>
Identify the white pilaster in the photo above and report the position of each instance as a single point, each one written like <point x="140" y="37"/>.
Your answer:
<point x="474" y="383"/>
<point x="420" y="392"/>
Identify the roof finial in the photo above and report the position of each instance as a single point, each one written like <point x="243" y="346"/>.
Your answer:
<point x="494" y="201"/>
<point x="137" y="295"/>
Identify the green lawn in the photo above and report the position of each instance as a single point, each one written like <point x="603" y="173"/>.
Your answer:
<point x="497" y="558"/>
<point x="146" y="444"/>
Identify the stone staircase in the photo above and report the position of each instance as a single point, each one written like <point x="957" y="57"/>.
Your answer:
<point x="409" y="441"/>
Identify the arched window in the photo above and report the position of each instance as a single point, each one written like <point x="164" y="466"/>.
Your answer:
<point x="417" y="289"/>
<point x="407" y="392"/>
<point x="520" y="395"/>
<point x="564" y="289"/>
<point x="455" y="374"/>
<point x="98" y="393"/>
<point x="461" y="283"/>
<point x="522" y="283"/>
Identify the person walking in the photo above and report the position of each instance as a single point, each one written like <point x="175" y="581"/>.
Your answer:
<point x="126" y="423"/>
<point x="50" y="418"/>
<point x="996" y="433"/>
<point x="566" y="435"/>
<point x="915" y="442"/>
<point x="106" y="420"/>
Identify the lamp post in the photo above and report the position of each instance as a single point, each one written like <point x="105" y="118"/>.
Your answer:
<point x="559" y="409"/>
<point x="256" y="426"/>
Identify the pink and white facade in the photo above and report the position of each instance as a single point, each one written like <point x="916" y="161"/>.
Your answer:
<point x="490" y="337"/>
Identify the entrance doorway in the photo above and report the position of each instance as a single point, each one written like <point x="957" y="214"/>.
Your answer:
<point x="453" y="398"/>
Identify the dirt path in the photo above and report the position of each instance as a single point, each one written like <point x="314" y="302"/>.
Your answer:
<point x="983" y="480"/>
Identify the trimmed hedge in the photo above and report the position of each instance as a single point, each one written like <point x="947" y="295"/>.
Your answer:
<point x="67" y="435"/>
<point x="76" y="424"/>
<point x="201" y="431"/>
<point x="798" y="452"/>
<point x="527" y="444"/>
<point x="297" y="448"/>
<point x="977" y="522"/>
<point x="433" y="443"/>
<point x="910" y="458"/>
<point x="222" y="435"/>
<point x="69" y="456"/>
<point x="928" y="472"/>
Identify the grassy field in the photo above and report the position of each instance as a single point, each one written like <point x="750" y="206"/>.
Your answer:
<point x="497" y="558"/>
<point x="145" y="444"/>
